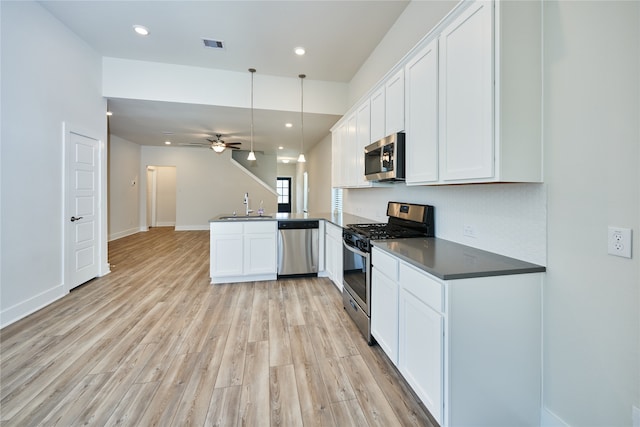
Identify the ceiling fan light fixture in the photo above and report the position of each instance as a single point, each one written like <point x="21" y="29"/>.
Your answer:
<point x="218" y="148"/>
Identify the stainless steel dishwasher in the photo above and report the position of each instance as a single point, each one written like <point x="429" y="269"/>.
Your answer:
<point x="297" y="248"/>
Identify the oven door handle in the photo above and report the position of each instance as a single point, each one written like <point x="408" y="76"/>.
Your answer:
<point x="355" y="250"/>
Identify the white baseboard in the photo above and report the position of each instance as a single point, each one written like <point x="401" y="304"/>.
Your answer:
<point x="166" y="224"/>
<point x="124" y="233"/>
<point x="549" y="419"/>
<point x="192" y="227"/>
<point x="31" y="305"/>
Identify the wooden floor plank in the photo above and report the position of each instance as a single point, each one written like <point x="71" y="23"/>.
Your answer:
<point x="153" y="342"/>
<point x="254" y="402"/>
<point x="285" y="402"/>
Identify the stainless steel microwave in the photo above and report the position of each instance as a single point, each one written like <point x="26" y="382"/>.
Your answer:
<point x="384" y="159"/>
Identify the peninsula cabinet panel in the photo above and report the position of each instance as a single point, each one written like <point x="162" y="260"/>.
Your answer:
<point x="243" y="251"/>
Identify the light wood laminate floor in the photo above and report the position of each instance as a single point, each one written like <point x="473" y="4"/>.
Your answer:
<point x="153" y="343"/>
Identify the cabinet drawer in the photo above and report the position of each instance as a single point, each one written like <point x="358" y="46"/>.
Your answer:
<point x="261" y="226"/>
<point x="226" y="227"/>
<point x="421" y="286"/>
<point x="385" y="263"/>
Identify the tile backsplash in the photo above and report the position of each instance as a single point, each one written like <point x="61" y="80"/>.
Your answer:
<point x="508" y="219"/>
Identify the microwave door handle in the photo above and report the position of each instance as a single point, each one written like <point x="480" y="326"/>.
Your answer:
<point x="354" y="250"/>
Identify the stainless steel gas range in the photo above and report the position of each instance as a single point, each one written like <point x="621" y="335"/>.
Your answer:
<point x="405" y="220"/>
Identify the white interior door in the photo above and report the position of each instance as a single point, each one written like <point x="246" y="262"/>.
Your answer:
<point x="81" y="209"/>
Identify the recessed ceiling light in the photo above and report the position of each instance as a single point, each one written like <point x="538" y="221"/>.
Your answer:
<point x="109" y="113"/>
<point x="143" y="31"/>
<point x="281" y="148"/>
<point x="167" y="142"/>
<point x="285" y="160"/>
<point x="288" y="125"/>
<point x="299" y="51"/>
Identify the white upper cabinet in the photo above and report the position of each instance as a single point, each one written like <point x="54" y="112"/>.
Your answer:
<point x="363" y="136"/>
<point x="469" y="97"/>
<point x="377" y="115"/>
<point x="466" y="95"/>
<point x="421" y="100"/>
<point x="394" y="103"/>
<point x="348" y="142"/>
<point x="338" y="139"/>
<point x="490" y="86"/>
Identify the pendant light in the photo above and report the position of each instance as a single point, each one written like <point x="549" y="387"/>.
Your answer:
<point x="252" y="155"/>
<point x="301" y="158"/>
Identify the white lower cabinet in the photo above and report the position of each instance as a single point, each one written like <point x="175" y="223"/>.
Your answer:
<point x="384" y="303"/>
<point x="243" y="251"/>
<point x="420" y="341"/>
<point x="469" y="348"/>
<point x="333" y="253"/>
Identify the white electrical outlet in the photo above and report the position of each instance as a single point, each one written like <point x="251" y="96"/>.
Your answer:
<point x="619" y="241"/>
<point x="469" y="231"/>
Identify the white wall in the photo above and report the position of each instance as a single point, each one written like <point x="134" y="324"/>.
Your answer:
<point x="418" y="19"/>
<point x="166" y="196"/>
<point x="592" y="144"/>
<point x="124" y="169"/>
<point x="207" y="185"/>
<point x="49" y="76"/>
<point x="125" y="78"/>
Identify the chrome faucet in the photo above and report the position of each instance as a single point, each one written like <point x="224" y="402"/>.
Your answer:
<point x="246" y="202"/>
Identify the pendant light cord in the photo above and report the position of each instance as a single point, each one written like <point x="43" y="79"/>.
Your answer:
<point x="302" y="76"/>
<point x="252" y="70"/>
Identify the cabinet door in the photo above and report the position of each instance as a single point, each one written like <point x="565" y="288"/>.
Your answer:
<point x="421" y="350"/>
<point x="377" y="115"/>
<point x="394" y="103"/>
<point x="349" y="160"/>
<point x="466" y="95"/>
<point x="363" y="133"/>
<point x="226" y="255"/>
<point x="421" y="98"/>
<point x="260" y="254"/>
<point x="384" y="313"/>
<point x="338" y="137"/>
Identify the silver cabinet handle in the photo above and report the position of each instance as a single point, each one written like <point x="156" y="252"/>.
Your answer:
<point x="74" y="219"/>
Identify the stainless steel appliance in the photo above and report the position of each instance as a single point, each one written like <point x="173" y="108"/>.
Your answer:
<point x="384" y="159"/>
<point x="405" y="220"/>
<point x="297" y="248"/>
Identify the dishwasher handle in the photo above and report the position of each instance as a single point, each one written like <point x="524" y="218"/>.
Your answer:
<point x="298" y="225"/>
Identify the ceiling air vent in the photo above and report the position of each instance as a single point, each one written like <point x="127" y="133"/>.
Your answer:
<point x="213" y="44"/>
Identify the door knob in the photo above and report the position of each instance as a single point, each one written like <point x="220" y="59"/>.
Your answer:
<point x="74" y="219"/>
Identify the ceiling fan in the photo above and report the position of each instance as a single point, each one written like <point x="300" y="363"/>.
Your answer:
<point x="218" y="145"/>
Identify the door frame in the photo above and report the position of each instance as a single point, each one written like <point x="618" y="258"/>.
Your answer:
<point x="288" y="179"/>
<point x="101" y="211"/>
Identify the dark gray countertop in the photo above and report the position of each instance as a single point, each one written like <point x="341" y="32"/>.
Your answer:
<point x="339" y="219"/>
<point x="448" y="260"/>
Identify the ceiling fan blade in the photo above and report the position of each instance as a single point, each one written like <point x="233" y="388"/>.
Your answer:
<point x="233" y="148"/>
<point x="233" y="143"/>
